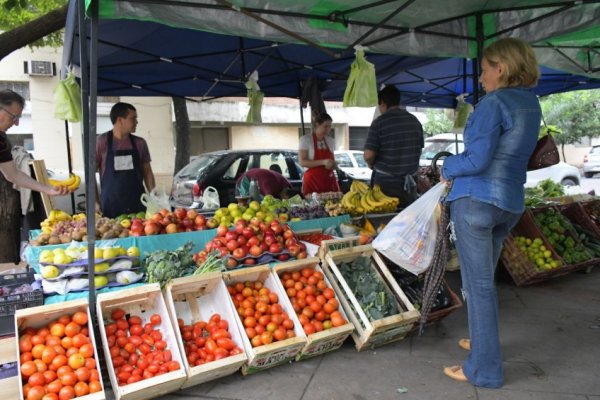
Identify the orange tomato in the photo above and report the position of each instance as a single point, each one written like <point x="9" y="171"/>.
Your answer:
<point x="65" y="319"/>
<point x="48" y="354"/>
<point x="49" y="376"/>
<point x="90" y="363"/>
<point x="79" y="340"/>
<point x="66" y="393"/>
<point x="117" y="314"/>
<point x="94" y="374"/>
<point x="37" y="339"/>
<point x="57" y="329"/>
<point x="36" y="393"/>
<point x="28" y="368"/>
<point x="27" y="356"/>
<point x="83" y="374"/>
<point x="52" y="341"/>
<point x="95" y="386"/>
<point x="25" y="344"/>
<point x="68" y="379"/>
<point x="76" y="360"/>
<point x="50" y="396"/>
<point x="54" y="386"/>
<point x="66" y="342"/>
<point x="37" y="350"/>
<point x="40" y="365"/>
<point x="72" y="329"/>
<point x="59" y="361"/>
<point x="81" y="389"/>
<point x="87" y="350"/>
<point x="80" y="318"/>
<point x="37" y="379"/>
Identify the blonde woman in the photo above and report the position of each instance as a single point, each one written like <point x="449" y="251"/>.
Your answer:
<point x="487" y="195"/>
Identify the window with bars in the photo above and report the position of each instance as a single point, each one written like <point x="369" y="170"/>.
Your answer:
<point x="19" y="87"/>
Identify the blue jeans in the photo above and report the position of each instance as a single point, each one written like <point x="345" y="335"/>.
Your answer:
<point x="480" y="232"/>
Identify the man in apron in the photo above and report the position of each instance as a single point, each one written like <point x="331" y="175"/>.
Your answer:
<point x="123" y="161"/>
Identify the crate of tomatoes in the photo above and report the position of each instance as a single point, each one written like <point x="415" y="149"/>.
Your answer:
<point x="204" y="323"/>
<point x="273" y="334"/>
<point x="370" y="296"/>
<point x="57" y="352"/>
<point x="314" y="301"/>
<point x="142" y="355"/>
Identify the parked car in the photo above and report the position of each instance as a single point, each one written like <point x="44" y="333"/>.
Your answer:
<point x="562" y="173"/>
<point x="221" y="169"/>
<point x="438" y="143"/>
<point x="353" y="163"/>
<point x="591" y="162"/>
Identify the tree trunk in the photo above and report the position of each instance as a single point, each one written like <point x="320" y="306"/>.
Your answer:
<point x="31" y="31"/>
<point x="10" y="222"/>
<point x="182" y="134"/>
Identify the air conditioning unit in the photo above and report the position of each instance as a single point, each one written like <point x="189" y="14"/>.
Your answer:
<point x="40" y="68"/>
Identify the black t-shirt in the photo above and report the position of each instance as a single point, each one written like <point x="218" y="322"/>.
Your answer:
<point x="5" y="148"/>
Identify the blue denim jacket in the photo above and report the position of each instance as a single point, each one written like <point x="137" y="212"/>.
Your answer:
<point x="499" y="138"/>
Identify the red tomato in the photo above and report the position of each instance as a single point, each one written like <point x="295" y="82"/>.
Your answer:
<point x="225" y="343"/>
<point x="117" y="314"/>
<point x="155" y="319"/>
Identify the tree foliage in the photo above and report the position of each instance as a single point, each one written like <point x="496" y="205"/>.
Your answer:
<point x="575" y="114"/>
<point x="15" y="13"/>
<point x="437" y="122"/>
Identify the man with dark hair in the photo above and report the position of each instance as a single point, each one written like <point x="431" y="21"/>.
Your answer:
<point x="393" y="148"/>
<point x="123" y="161"/>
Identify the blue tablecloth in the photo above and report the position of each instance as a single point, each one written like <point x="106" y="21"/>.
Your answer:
<point x="148" y="244"/>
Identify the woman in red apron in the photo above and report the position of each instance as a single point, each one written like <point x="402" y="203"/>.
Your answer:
<point x="317" y="155"/>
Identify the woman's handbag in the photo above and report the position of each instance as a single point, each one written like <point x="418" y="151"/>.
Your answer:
<point x="544" y="155"/>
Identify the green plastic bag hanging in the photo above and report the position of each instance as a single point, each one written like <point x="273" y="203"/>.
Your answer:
<point x="255" y="99"/>
<point x="67" y="99"/>
<point x="361" y="90"/>
<point x="463" y="109"/>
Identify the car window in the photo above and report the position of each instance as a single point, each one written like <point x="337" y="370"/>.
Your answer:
<point x="197" y="166"/>
<point x="595" y="150"/>
<point x="360" y="160"/>
<point x="234" y="169"/>
<point x="274" y="161"/>
<point x="343" y="160"/>
<point x="432" y="148"/>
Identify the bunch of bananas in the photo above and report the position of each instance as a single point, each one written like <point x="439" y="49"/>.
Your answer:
<point x="54" y="217"/>
<point x="72" y="183"/>
<point x="361" y="199"/>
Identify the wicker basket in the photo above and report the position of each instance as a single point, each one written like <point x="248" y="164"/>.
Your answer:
<point x="577" y="213"/>
<point x="518" y="265"/>
<point x="438" y="315"/>
<point x="592" y="210"/>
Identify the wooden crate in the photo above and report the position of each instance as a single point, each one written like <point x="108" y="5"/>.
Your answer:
<point x="328" y="339"/>
<point x="142" y="301"/>
<point x="338" y="244"/>
<point x="580" y="214"/>
<point x="41" y="316"/>
<point x="369" y="334"/>
<point x="196" y="298"/>
<point x="270" y="355"/>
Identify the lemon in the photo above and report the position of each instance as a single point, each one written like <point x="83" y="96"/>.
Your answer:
<point x="110" y="252"/>
<point x="122" y="251"/>
<point x="46" y="256"/>
<point x="61" y="258"/>
<point x="101" y="267"/>
<point x="100" y="281"/>
<point x="98" y="253"/>
<point x="133" y="251"/>
<point x="50" y="271"/>
<point x="59" y="250"/>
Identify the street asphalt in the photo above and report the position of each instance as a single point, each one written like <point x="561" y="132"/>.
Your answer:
<point x="550" y="335"/>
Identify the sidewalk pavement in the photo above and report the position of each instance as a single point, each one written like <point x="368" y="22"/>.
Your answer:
<point x="550" y="335"/>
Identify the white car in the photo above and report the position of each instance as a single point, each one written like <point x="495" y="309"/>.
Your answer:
<point x="562" y="173"/>
<point x="353" y="163"/>
<point x="591" y="162"/>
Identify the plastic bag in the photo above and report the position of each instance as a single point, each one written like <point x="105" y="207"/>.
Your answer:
<point x="210" y="199"/>
<point x="361" y="89"/>
<point x="409" y="239"/>
<point x="67" y="99"/>
<point x="155" y="201"/>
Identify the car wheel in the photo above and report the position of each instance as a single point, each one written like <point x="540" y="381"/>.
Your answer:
<point x="588" y="174"/>
<point x="569" y="182"/>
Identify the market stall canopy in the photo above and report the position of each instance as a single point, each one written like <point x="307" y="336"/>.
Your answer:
<point x="145" y="58"/>
<point x="565" y="34"/>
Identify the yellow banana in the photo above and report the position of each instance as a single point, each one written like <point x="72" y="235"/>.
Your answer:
<point x="72" y="187"/>
<point x="364" y="203"/>
<point x="66" y="182"/>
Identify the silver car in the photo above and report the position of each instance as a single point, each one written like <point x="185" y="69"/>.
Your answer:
<point x="591" y="162"/>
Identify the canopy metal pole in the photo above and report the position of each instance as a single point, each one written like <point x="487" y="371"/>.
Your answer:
<point x="69" y="163"/>
<point x="476" y="61"/>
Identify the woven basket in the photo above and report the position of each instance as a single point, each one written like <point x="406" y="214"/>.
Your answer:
<point x="518" y="265"/>
<point x="577" y="213"/>
<point x="592" y="210"/>
<point x="438" y="315"/>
